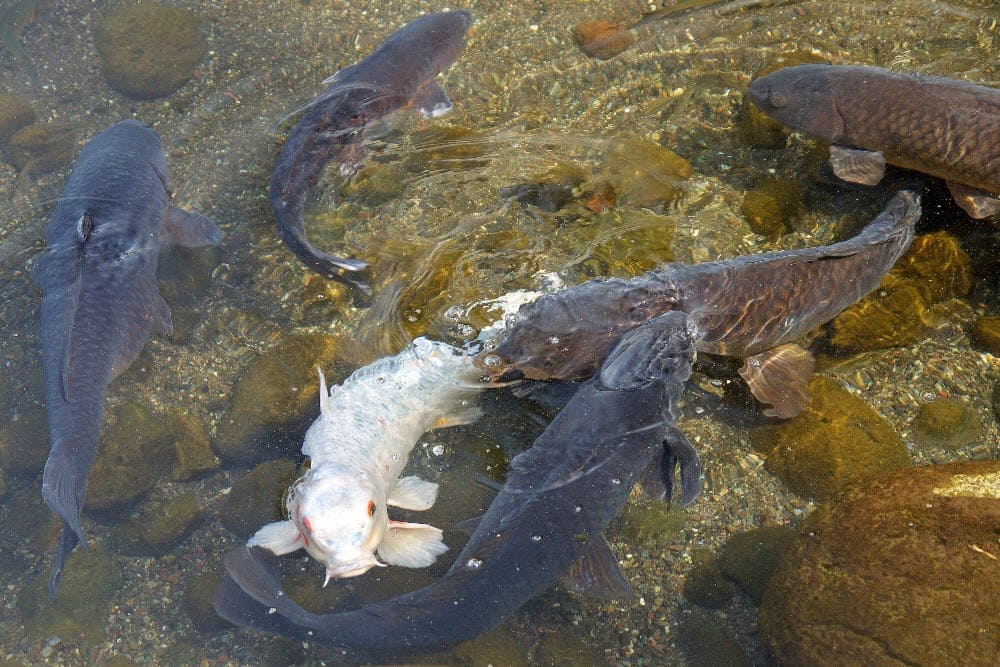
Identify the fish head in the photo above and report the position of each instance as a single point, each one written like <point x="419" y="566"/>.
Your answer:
<point x="342" y="518"/>
<point x="801" y="98"/>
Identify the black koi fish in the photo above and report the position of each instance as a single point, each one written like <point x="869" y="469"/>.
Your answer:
<point x="100" y="302"/>
<point x="557" y="499"/>
<point x="398" y="74"/>
<point x="752" y="306"/>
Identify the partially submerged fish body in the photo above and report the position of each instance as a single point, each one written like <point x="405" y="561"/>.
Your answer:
<point x="557" y="499"/>
<point x="871" y="116"/>
<point x="751" y="306"/>
<point x="398" y="74"/>
<point x="100" y="302"/>
<point x="358" y="447"/>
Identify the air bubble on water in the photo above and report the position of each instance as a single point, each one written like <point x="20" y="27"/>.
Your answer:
<point x="536" y="538"/>
<point x="473" y="563"/>
<point x="272" y="610"/>
<point x="437" y="450"/>
<point x="577" y="509"/>
<point x="616" y="481"/>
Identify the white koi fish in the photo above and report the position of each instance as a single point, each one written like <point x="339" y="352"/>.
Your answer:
<point x="358" y="447"/>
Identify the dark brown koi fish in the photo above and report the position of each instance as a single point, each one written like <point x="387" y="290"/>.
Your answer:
<point x="398" y="74"/>
<point x="871" y="116"/>
<point x="558" y="497"/>
<point x="100" y="302"/>
<point x="751" y="306"/>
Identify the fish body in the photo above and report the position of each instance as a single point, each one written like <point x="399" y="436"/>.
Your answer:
<point x="943" y="127"/>
<point x="100" y="301"/>
<point x="398" y="74"/>
<point x="745" y="307"/>
<point x="358" y="447"/>
<point x="558" y="497"/>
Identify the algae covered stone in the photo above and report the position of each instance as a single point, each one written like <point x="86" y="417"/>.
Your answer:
<point x="24" y="443"/>
<point x="275" y="398"/>
<point x="197" y="601"/>
<point x="986" y="334"/>
<point x="772" y="206"/>
<point x="750" y="558"/>
<point x="40" y="148"/>
<point x="15" y="113"/>
<point x="901" y="570"/>
<point x="136" y="450"/>
<point x="257" y="497"/>
<point x="706" y="586"/>
<point x="948" y="423"/>
<point x="159" y="526"/>
<point x="90" y="581"/>
<point x="837" y="441"/>
<point x="148" y="50"/>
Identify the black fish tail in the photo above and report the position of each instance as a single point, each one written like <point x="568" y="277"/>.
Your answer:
<point x="235" y="606"/>
<point x="64" y="484"/>
<point x="68" y="539"/>
<point x="259" y="582"/>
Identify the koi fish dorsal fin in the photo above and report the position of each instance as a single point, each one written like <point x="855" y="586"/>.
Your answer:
<point x="596" y="573"/>
<point x="413" y="493"/>
<point x="411" y="544"/>
<point x="780" y="377"/>
<point x="280" y="538"/>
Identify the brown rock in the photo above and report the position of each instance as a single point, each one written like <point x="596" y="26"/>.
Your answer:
<point x="148" y="50"/>
<point x="986" y="334"/>
<point x="602" y="39"/>
<point x="902" y="570"/>
<point x="836" y="441"/>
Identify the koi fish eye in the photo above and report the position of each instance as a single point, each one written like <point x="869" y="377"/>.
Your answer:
<point x="371" y="508"/>
<point x="777" y="99"/>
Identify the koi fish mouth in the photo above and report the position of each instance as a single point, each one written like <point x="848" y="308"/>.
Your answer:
<point x="353" y="569"/>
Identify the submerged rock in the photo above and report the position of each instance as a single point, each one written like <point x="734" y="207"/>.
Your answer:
<point x="706" y="586"/>
<point x="836" y="441"/>
<point x="644" y="173"/>
<point x="257" y="497"/>
<point x="648" y="522"/>
<point x="898" y="571"/>
<point x="275" y="398"/>
<point x="42" y="147"/>
<point x="750" y="558"/>
<point x="159" y="526"/>
<point x="933" y="270"/>
<point x="90" y="581"/>
<point x="192" y="446"/>
<point x="136" y="450"/>
<point x="148" y="50"/>
<point x="602" y="39"/>
<point x="197" y="601"/>
<point x="772" y="206"/>
<point x="947" y="423"/>
<point x="986" y="334"/>
<point x="15" y="112"/>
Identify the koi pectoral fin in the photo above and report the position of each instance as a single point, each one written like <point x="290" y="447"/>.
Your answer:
<point x="432" y="101"/>
<point x="413" y="493"/>
<point x="977" y="203"/>
<point x="857" y="166"/>
<point x="657" y="480"/>
<point x="780" y="377"/>
<point x="280" y="537"/>
<point x="188" y="229"/>
<point x="411" y="544"/>
<point x="597" y="573"/>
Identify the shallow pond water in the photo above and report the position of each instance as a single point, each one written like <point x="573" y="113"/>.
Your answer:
<point x="650" y="154"/>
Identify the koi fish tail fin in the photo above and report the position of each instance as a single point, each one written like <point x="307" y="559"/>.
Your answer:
<point x="251" y="592"/>
<point x="64" y="484"/>
<point x="68" y="540"/>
